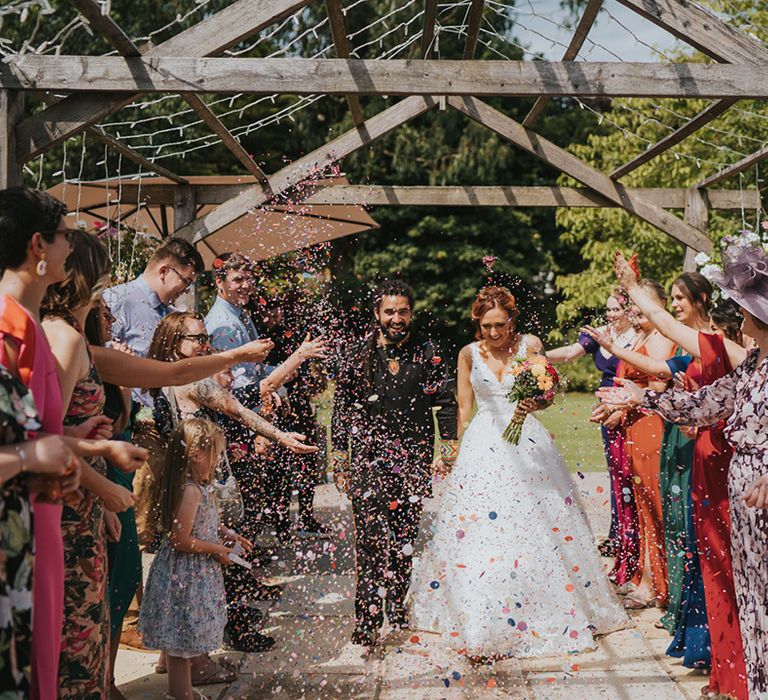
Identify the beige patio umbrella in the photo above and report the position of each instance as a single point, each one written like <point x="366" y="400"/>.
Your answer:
<point x="146" y="204"/>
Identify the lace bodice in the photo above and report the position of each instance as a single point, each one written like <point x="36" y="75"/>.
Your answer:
<point x="490" y="393"/>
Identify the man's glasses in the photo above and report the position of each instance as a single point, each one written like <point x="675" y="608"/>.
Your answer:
<point x="199" y="338"/>
<point x="187" y="281"/>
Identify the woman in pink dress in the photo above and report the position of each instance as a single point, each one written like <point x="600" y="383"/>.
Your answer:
<point x="34" y="246"/>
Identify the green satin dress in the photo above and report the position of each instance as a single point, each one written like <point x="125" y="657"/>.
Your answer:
<point x="675" y="480"/>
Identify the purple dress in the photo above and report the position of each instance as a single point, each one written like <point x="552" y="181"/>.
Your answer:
<point x="613" y="438"/>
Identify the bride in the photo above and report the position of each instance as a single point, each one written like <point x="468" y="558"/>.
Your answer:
<point x="511" y="569"/>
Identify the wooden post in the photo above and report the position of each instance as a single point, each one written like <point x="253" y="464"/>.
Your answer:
<point x="184" y="213"/>
<point x="697" y="215"/>
<point x="11" y="111"/>
<point x="183" y="206"/>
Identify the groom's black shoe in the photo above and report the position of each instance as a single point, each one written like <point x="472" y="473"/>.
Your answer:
<point x="398" y="619"/>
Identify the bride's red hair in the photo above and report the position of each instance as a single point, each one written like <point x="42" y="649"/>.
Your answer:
<point x="493" y="298"/>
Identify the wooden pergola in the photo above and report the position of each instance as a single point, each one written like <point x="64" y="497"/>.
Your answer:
<point x="190" y="63"/>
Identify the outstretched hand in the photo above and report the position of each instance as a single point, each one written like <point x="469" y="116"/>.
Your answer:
<point x="295" y="443"/>
<point x="625" y="394"/>
<point x="600" y="335"/>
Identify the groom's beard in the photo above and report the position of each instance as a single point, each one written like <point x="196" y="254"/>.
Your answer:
<point x="396" y="334"/>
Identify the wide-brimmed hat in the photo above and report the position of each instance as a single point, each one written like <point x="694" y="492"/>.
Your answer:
<point x="744" y="278"/>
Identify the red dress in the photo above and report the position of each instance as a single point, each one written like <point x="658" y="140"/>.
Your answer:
<point x="709" y="485"/>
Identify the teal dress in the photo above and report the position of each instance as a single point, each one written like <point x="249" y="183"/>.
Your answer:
<point x="124" y="557"/>
<point x="675" y="481"/>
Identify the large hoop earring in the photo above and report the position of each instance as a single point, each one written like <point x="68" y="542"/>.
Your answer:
<point x="42" y="266"/>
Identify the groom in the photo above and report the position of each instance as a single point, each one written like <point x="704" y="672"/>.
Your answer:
<point x="383" y="447"/>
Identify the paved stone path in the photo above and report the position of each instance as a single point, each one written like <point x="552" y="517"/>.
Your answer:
<point x="313" y="658"/>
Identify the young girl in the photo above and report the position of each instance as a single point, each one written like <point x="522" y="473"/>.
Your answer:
<point x="184" y="608"/>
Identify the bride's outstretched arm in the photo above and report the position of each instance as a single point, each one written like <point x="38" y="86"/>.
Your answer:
<point x="466" y="395"/>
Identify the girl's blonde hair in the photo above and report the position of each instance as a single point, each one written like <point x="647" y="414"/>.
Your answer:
<point x="190" y="438"/>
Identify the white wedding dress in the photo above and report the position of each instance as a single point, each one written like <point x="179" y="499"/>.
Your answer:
<point x="511" y="568"/>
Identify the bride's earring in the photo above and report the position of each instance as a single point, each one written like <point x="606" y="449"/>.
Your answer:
<point x="42" y="266"/>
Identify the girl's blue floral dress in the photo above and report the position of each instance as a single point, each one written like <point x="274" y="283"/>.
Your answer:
<point x="184" y="607"/>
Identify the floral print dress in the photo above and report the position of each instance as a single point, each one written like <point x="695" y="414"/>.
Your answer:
<point x="18" y="422"/>
<point x="84" y="659"/>
<point x="741" y="398"/>
<point x="184" y="608"/>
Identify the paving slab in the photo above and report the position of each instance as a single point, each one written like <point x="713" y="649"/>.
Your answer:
<point x="313" y="658"/>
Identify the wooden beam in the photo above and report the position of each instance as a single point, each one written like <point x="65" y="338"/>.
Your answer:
<point x="215" y="125"/>
<point x="697" y="215"/>
<point x="11" y="109"/>
<point x="334" y="76"/>
<point x="341" y="42"/>
<point x="738" y="167"/>
<point x="119" y="40"/>
<point x="702" y="118"/>
<point x="213" y="35"/>
<point x="553" y="155"/>
<point x="428" y="32"/>
<point x="106" y="26"/>
<point x="310" y="165"/>
<point x="473" y="28"/>
<point x="447" y="196"/>
<point x="701" y="29"/>
<point x="571" y="52"/>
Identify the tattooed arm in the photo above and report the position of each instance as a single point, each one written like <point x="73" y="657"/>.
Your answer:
<point x="209" y="394"/>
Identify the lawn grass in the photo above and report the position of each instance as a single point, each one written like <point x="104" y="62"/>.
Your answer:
<point x="577" y="439"/>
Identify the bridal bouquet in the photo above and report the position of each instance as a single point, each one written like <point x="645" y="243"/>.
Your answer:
<point x="535" y="379"/>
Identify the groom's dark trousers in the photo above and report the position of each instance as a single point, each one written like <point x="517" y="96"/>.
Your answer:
<point x="386" y="527"/>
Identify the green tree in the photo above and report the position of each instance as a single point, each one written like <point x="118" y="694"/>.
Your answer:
<point x="633" y="125"/>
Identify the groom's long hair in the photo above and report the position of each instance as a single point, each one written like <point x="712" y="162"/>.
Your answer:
<point x="387" y="288"/>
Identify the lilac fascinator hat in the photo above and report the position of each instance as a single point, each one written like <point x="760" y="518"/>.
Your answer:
<point x="744" y="278"/>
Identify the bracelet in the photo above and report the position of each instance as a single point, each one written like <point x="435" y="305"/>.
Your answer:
<point x="22" y="457"/>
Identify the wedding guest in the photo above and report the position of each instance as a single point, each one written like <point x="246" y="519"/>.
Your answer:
<point x="230" y="325"/>
<point x="621" y="330"/>
<point x="120" y="368"/>
<point x="644" y="434"/>
<point x="27" y="464"/>
<point x="739" y="398"/>
<point x="83" y="664"/>
<point x="138" y="307"/>
<point x="187" y="621"/>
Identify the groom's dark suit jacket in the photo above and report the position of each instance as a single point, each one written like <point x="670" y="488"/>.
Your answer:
<point x="383" y="410"/>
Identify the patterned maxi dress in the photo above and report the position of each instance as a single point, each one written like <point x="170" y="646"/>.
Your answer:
<point x="84" y="659"/>
<point x="740" y="397"/>
<point x="18" y="422"/>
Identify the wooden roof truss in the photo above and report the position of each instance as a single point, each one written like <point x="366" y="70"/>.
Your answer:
<point x="190" y="63"/>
